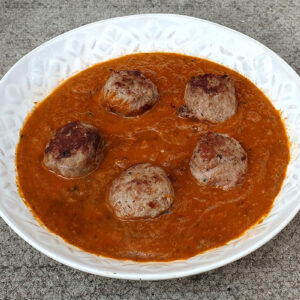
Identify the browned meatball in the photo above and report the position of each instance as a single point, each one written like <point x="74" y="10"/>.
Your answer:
<point x="218" y="160"/>
<point x="141" y="191"/>
<point x="75" y="150"/>
<point x="128" y="93"/>
<point x="211" y="97"/>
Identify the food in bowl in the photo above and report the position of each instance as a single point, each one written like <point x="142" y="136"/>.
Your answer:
<point x="166" y="134"/>
<point x="211" y="97"/>
<point x="75" y="150"/>
<point x="128" y="93"/>
<point x="141" y="191"/>
<point x="218" y="160"/>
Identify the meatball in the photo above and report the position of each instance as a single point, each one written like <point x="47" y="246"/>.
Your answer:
<point x="141" y="191"/>
<point x="75" y="150"/>
<point x="218" y="160"/>
<point x="128" y="93"/>
<point x="211" y="97"/>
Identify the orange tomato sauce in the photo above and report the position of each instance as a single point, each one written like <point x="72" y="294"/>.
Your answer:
<point x="201" y="218"/>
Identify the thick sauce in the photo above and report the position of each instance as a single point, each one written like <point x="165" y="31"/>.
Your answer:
<point x="200" y="218"/>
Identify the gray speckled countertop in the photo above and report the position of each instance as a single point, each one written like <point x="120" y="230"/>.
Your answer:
<point x="272" y="272"/>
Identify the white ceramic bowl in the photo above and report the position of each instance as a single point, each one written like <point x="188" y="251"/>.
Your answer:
<point x="39" y="72"/>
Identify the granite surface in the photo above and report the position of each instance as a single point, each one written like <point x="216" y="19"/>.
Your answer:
<point x="272" y="272"/>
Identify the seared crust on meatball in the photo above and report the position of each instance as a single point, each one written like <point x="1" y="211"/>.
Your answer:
<point x="183" y="112"/>
<point x="211" y="97"/>
<point x="75" y="150"/>
<point x="141" y="191"/>
<point x="218" y="160"/>
<point x="128" y="93"/>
